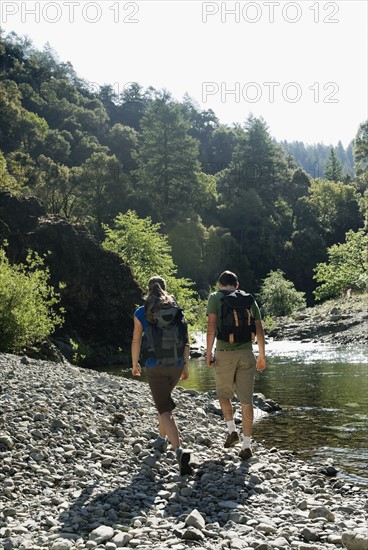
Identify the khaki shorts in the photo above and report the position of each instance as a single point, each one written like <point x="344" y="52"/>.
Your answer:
<point x="162" y="380"/>
<point x="235" y="371"/>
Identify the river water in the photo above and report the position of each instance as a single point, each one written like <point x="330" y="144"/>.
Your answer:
<point x="323" y="392"/>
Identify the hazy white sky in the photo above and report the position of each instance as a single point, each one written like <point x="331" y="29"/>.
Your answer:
<point x="301" y="65"/>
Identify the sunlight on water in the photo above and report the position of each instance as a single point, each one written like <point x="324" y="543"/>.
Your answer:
<point x="323" y="392"/>
<point x="309" y="352"/>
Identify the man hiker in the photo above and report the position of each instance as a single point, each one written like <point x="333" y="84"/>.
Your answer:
<point x="234" y="318"/>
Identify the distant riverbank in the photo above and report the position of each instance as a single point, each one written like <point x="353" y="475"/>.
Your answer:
<point x="340" y="321"/>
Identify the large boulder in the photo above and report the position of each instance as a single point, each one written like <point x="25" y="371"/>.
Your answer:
<point x="100" y="293"/>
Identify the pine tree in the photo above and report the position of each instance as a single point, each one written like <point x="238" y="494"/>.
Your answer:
<point x="167" y="161"/>
<point x="333" y="168"/>
<point x="361" y="150"/>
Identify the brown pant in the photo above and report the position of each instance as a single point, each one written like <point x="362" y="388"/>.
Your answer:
<point x="162" y="380"/>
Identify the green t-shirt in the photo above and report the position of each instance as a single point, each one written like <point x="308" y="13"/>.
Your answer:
<point x="214" y="306"/>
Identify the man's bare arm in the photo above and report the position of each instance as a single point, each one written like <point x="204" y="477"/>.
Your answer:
<point x="261" y="359"/>
<point x="211" y="335"/>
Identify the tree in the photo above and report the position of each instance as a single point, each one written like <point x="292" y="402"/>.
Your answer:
<point x="347" y="266"/>
<point x="8" y="182"/>
<point x="305" y="248"/>
<point x="167" y="161"/>
<point x="336" y="208"/>
<point x="110" y="99"/>
<point x="223" y="141"/>
<point x="187" y="241"/>
<point x="140" y="245"/>
<point x="333" y="168"/>
<point x="102" y="189"/>
<point x="55" y="187"/>
<point x="299" y="186"/>
<point x="123" y="141"/>
<point x="361" y="150"/>
<point x="32" y="130"/>
<point x="133" y="104"/>
<point x="56" y="146"/>
<point x="312" y="158"/>
<point x="206" y="195"/>
<point x="23" y="168"/>
<point x="361" y="162"/>
<point x="84" y="146"/>
<point x="278" y="296"/>
<point x="251" y="192"/>
<point x="27" y="303"/>
<point x="258" y="162"/>
<point x="202" y="125"/>
<point x="11" y="112"/>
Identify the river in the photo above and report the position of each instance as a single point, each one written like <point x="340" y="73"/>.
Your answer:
<point x="323" y="392"/>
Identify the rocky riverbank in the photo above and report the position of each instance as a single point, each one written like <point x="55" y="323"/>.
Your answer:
<point x="341" y="321"/>
<point x="77" y="472"/>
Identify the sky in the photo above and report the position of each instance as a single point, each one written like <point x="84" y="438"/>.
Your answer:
<point x="302" y="65"/>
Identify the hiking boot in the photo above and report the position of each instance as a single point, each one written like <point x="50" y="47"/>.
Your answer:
<point x="183" y="460"/>
<point x="231" y="440"/>
<point x="245" y="454"/>
<point x="160" y="445"/>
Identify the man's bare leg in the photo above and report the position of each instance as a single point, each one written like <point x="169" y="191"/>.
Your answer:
<point x="227" y="409"/>
<point x="247" y="419"/>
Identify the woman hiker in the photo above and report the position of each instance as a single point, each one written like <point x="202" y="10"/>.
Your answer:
<point x="166" y="337"/>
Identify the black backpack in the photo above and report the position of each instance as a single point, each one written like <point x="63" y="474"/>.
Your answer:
<point x="236" y="320"/>
<point x="166" y="336"/>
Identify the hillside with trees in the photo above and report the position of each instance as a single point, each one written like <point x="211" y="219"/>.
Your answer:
<point x="220" y="196"/>
<point x="315" y="159"/>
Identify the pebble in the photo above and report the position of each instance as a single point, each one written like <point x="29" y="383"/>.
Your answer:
<point x="78" y="472"/>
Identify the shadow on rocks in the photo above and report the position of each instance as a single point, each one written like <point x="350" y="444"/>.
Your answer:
<point x="218" y="489"/>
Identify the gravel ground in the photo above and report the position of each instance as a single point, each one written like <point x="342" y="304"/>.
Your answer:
<point x="77" y="471"/>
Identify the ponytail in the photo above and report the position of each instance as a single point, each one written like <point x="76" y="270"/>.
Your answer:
<point x="156" y="297"/>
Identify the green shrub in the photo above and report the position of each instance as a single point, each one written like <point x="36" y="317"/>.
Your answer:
<point x="347" y="267"/>
<point x="269" y="324"/>
<point x="81" y="352"/>
<point x="278" y="296"/>
<point x="27" y="303"/>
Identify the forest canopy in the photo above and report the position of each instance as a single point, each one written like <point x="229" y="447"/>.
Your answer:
<point x="223" y="196"/>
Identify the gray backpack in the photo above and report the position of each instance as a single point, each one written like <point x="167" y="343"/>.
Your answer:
<point x="166" y="336"/>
